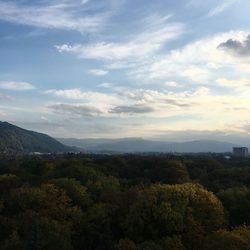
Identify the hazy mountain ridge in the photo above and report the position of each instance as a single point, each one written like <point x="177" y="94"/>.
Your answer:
<point x="127" y="145"/>
<point x="15" y="140"/>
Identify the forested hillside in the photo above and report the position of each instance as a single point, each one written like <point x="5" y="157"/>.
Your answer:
<point x="124" y="202"/>
<point x="15" y="140"/>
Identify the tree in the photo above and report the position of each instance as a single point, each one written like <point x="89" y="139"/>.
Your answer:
<point x="93" y="229"/>
<point x="237" y="202"/>
<point x="126" y="244"/>
<point x="237" y="239"/>
<point x="41" y="217"/>
<point x="103" y="187"/>
<point x="169" y="172"/>
<point x="8" y="182"/>
<point x="161" y="211"/>
<point x="77" y="192"/>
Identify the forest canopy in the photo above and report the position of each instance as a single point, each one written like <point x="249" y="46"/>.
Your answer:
<point x="124" y="202"/>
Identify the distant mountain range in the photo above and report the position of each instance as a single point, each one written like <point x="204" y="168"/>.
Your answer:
<point x="132" y="145"/>
<point x="15" y="140"/>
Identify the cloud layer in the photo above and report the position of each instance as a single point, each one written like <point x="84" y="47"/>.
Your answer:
<point x="112" y="68"/>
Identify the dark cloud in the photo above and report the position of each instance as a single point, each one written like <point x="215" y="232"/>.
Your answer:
<point x="75" y="109"/>
<point x="177" y="103"/>
<point x="134" y="109"/>
<point x="237" y="47"/>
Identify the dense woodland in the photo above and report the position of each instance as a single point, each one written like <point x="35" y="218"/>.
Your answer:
<point x="129" y="202"/>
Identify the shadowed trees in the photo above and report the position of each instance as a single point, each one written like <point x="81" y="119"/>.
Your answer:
<point x="164" y="212"/>
<point x="124" y="203"/>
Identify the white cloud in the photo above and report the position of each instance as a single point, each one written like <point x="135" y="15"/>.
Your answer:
<point x="155" y="110"/>
<point x="68" y="15"/>
<point x="127" y="102"/>
<point x="221" y="7"/>
<point x="105" y="85"/>
<point x="241" y="84"/>
<point x="198" y="62"/>
<point x="173" y="84"/>
<point x="98" y="72"/>
<point x="76" y="94"/>
<point x="138" y="46"/>
<point x="134" y="101"/>
<point x="19" y="86"/>
<point x="99" y="100"/>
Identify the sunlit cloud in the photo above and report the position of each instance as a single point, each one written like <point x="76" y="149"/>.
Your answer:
<point x="126" y="70"/>
<point x="199" y="61"/>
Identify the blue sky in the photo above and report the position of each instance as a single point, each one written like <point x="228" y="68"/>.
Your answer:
<point x="120" y="68"/>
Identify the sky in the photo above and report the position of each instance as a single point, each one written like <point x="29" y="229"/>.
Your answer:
<point x="176" y="70"/>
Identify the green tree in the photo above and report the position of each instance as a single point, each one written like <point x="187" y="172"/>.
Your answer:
<point x="103" y="187"/>
<point x="93" y="229"/>
<point x="237" y="202"/>
<point x="77" y="192"/>
<point x="41" y="217"/>
<point x="237" y="239"/>
<point x="126" y="244"/>
<point x="8" y="182"/>
<point x="162" y="211"/>
<point x="170" y="172"/>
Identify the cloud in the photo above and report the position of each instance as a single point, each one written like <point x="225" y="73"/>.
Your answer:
<point x="75" y="110"/>
<point x="241" y="84"/>
<point x="154" y="110"/>
<point x="163" y="98"/>
<point x="98" y="72"/>
<point x="172" y="84"/>
<point x="141" y="45"/>
<point x="75" y="94"/>
<point x="237" y="47"/>
<point x="5" y="97"/>
<point x="100" y="100"/>
<point x="85" y="96"/>
<point x="198" y="62"/>
<point x="135" y="109"/>
<point x="136" y="101"/>
<point x="18" y="86"/>
<point x="67" y="15"/>
<point x="105" y="85"/>
<point x="200" y="107"/>
<point x="221" y="8"/>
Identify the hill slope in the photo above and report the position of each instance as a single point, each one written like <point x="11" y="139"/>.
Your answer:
<point x="15" y="140"/>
